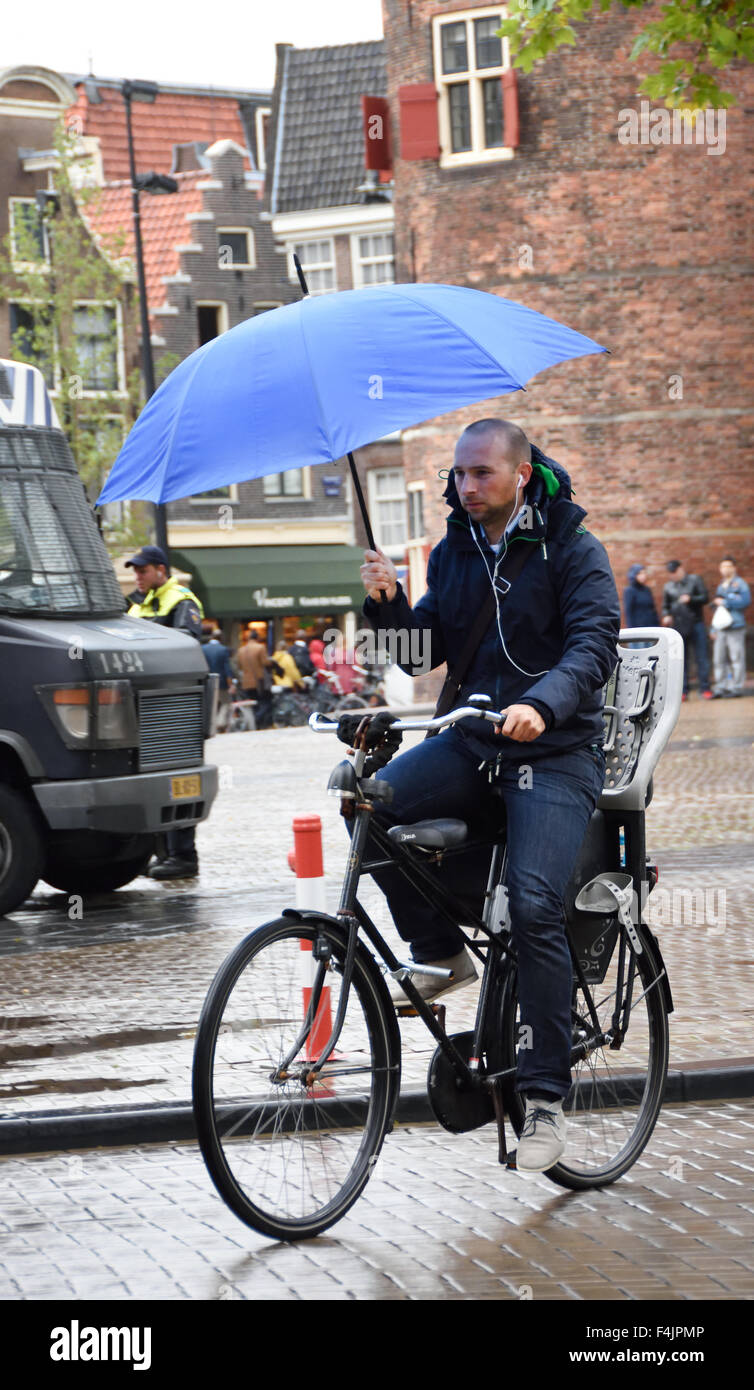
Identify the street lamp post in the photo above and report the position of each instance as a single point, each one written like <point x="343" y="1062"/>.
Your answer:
<point x="145" y="183"/>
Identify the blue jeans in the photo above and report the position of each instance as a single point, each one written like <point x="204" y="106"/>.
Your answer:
<point x="696" y="642"/>
<point x="548" y="803"/>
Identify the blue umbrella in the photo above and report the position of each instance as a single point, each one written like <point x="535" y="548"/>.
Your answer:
<point x="311" y="381"/>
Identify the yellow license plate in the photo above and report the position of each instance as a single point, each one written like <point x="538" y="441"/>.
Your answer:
<point x="183" y="787"/>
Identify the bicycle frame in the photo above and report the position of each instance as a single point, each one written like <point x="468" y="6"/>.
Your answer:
<point x="352" y="915"/>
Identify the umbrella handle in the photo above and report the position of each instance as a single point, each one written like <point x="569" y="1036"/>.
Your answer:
<point x="364" y="513"/>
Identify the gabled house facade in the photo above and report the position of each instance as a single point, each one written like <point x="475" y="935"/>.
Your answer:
<point x="328" y="195"/>
<point x="277" y="551"/>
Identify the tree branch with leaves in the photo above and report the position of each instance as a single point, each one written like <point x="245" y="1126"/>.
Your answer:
<point x="710" y="34"/>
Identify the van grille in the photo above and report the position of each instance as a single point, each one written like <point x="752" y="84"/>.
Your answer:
<point x="170" y="729"/>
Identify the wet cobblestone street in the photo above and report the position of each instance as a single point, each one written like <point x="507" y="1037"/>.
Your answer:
<point x="100" y="1010"/>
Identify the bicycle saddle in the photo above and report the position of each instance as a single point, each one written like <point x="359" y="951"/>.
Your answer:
<point x="430" y="834"/>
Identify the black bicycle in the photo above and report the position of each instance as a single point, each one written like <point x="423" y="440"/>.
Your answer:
<point x="298" y="1059"/>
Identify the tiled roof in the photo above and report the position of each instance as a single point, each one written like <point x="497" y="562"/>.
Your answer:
<point x="163" y="228"/>
<point x="173" y="118"/>
<point x="319" y="157"/>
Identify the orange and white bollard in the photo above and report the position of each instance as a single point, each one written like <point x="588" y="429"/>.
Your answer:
<point x="306" y="861"/>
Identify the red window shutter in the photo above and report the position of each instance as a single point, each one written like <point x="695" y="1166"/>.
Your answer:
<point x="510" y="108"/>
<point x="375" y="114"/>
<point x="419" y="131"/>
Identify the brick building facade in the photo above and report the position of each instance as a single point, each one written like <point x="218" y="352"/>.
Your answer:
<point x="645" y="247"/>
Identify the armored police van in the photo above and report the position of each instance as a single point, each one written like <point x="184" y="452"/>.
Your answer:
<point x="102" y="717"/>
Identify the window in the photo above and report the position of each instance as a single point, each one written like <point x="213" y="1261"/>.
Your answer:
<point x="28" y="235"/>
<point x="264" y="306"/>
<point x="374" y="259"/>
<point x="235" y="247"/>
<point x="287" y="484"/>
<point x="261" y="127"/>
<point x="469" y="63"/>
<point x="96" y="334"/>
<point x="226" y="493"/>
<point x="387" y="506"/>
<point x="417" y="547"/>
<point x="98" y="445"/>
<point x="416" y="512"/>
<point x="31" y="339"/>
<point x="211" y="320"/>
<point x="318" y="264"/>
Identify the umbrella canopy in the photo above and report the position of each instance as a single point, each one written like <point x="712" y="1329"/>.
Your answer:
<point x="311" y="381"/>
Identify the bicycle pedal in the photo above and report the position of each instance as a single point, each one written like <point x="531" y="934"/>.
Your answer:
<point x="408" y="1011"/>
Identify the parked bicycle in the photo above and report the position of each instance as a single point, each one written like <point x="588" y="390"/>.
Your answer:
<point x="292" y="708"/>
<point x="295" y="1085"/>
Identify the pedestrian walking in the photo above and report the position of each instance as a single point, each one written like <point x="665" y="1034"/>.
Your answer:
<point x="728" y="630"/>
<point x="217" y="657"/>
<point x="256" y="678"/>
<point x="683" y="600"/>
<point x="317" y="658"/>
<point x="638" y="602"/>
<point x="285" y="672"/>
<point x="299" y="650"/>
<point x="165" y="600"/>
<point x="515" y="541"/>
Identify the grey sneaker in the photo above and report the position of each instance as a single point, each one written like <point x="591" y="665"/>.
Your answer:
<point x="543" y="1137"/>
<point x="429" y="987"/>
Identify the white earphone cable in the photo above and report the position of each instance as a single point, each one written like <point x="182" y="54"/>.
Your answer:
<point x="492" y="576"/>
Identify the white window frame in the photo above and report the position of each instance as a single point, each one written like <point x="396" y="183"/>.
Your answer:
<point x="358" y="262"/>
<point x="120" y="355"/>
<point x="416" y="546"/>
<point x="232" y="499"/>
<point x="395" y="550"/>
<point x="251" y="249"/>
<point x="329" y="264"/>
<point x="264" y="305"/>
<point x="259" y="116"/>
<point x="413" y="488"/>
<point x="18" y="264"/>
<point x="223" y="319"/>
<point x="303" y="496"/>
<point x="478" y="154"/>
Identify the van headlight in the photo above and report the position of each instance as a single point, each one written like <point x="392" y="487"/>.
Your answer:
<point x="95" y="714"/>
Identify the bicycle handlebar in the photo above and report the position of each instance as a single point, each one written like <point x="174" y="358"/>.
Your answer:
<point x="322" y="724"/>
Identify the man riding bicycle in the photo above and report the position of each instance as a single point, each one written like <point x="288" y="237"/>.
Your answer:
<point x="515" y="544"/>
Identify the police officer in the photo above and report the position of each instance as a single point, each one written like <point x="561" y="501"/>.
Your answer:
<point x="168" y="602"/>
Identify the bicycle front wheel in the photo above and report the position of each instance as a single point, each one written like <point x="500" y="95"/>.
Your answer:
<point x="616" y="1095"/>
<point x="290" y="1155"/>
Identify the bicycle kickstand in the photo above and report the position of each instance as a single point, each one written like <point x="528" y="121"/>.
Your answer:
<point x="508" y="1160"/>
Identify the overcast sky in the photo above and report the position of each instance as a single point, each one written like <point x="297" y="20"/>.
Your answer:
<point x="228" y="43"/>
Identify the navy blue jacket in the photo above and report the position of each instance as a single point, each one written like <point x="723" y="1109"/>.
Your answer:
<point x="638" y="602"/>
<point x="217" y="658"/>
<point x="560" y="621"/>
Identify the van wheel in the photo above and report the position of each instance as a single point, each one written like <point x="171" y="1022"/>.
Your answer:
<point x="87" y="876"/>
<point x="21" y="850"/>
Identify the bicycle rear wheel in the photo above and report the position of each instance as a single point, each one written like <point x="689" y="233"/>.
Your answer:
<point x="616" y="1096"/>
<point x="288" y="1157"/>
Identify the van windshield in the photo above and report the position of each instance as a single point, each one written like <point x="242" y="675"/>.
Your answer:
<point x="52" y="559"/>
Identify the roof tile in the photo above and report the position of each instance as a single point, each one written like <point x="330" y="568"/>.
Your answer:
<point x="320" y="135"/>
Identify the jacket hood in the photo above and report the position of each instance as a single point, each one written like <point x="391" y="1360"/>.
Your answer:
<point x="632" y="573"/>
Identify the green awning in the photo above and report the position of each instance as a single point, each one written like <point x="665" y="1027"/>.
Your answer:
<point x="267" y="581"/>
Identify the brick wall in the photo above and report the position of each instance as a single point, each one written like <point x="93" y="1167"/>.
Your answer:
<point x="645" y="248"/>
